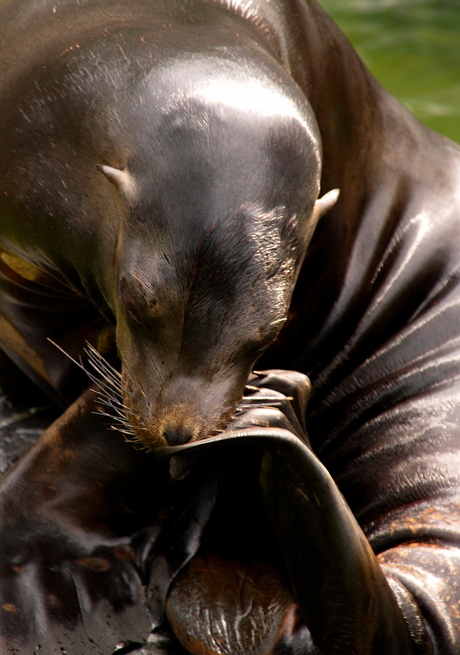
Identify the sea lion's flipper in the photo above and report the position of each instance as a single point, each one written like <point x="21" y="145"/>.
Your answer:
<point x="164" y="555"/>
<point x="352" y="599"/>
<point x="341" y="589"/>
<point x="68" y="508"/>
<point x="337" y="580"/>
<point x="296" y="389"/>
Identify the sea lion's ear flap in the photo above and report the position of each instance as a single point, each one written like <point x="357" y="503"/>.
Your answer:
<point x="121" y="178"/>
<point x="325" y="204"/>
<point x="321" y="207"/>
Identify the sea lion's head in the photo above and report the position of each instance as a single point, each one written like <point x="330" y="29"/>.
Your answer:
<point x="220" y="195"/>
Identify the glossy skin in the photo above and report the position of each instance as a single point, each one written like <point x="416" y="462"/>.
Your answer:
<point x="373" y="318"/>
<point x="195" y="161"/>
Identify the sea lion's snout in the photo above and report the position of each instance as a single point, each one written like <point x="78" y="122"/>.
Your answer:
<point x="176" y="436"/>
<point x="189" y="410"/>
<point x="178" y="428"/>
<point x="183" y="409"/>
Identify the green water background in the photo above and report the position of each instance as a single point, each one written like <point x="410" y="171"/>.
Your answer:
<point x="413" y="48"/>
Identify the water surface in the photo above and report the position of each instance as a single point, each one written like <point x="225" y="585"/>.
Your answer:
<point x="413" y="48"/>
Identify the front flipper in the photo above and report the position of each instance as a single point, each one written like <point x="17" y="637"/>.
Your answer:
<point x="69" y="580"/>
<point x="340" y="588"/>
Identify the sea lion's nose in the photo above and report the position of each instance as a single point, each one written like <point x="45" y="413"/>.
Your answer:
<point x="177" y="436"/>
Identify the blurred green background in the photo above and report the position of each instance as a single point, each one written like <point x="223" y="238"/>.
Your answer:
<point x="413" y="48"/>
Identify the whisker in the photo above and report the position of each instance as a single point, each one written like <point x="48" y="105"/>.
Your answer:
<point x="115" y="428"/>
<point x="114" y="386"/>
<point x="99" y="362"/>
<point x="278" y="321"/>
<point x="91" y="376"/>
<point x="108" y="389"/>
<point x="120" y="420"/>
<point x="72" y="359"/>
<point x="104" y="367"/>
<point x="107" y="402"/>
<point x="268" y="398"/>
<point x="110" y="393"/>
<point x="116" y="407"/>
<point x="123" y="424"/>
<point x="261" y="405"/>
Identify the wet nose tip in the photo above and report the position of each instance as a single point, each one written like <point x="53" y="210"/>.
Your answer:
<point x="175" y="436"/>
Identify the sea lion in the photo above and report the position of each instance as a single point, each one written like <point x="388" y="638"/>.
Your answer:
<point x="240" y="217"/>
<point x="160" y="179"/>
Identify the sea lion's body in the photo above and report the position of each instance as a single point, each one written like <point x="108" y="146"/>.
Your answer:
<point x="138" y="195"/>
